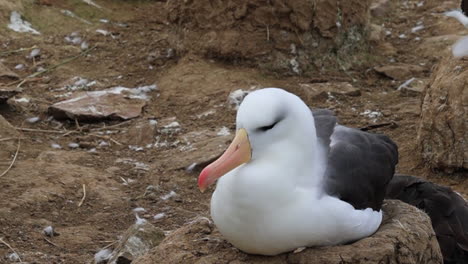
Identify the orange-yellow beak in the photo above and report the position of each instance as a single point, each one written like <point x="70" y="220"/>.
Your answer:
<point x="238" y="153"/>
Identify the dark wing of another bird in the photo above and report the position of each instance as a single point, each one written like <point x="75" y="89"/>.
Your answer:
<point x="448" y="212"/>
<point x="360" y="164"/>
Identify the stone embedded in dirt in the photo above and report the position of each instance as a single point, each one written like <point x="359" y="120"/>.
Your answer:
<point x="141" y="134"/>
<point x="380" y="8"/>
<point x="207" y="150"/>
<point x="400" y="72"/>
<point x="6" y="129"/>
<point x="443" y="129"/>
<point x="114" y="103"/>
<point x="6" y="75"/>
<point x="405" y="236"/>
<point x="325" y="90"/>
<point x="7" y="93"/>
<point x="136" y="242"/>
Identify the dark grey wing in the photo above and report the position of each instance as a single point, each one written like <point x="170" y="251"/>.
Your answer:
<point x="448" y="212"/>
<point x="360" y="166"/>
<point x="325" y="122"/>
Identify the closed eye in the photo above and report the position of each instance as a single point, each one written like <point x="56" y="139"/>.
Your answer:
<point x="266" y="128"/>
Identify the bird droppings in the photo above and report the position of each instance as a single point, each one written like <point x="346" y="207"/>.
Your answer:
<point x="22" y="100"/>
<point x="102" y="256"/>
<point x="139" y="210"/>
<point x="373" y="115"/>
<point x="235" y="97"/>
<point x="159" y="216"/>
<point x="406" y="84"/>
<point x="295" y="67"/>
<point x="169" y="195"/>
<point x="136" y="148"/>
<point x="92" y="3"/>
<point x="73" y="145"/>
<point x="33" y="120"/>
<point x="55" y="146"/>
<point x="73" y="15"/>
<point x="191" y="167"/>
<point x="206" y="113"/>
<point x="34" y="53"/>
<point x="139" y="220"/>
<point x="417" y="28"/>
<point x="224" y="131"/>
<point x="19" y="25"/>
<point x="13" y="257"/>
<point x="171" y="128"/>
<point x="103" y="143"/>
<point x="102" y="32"/>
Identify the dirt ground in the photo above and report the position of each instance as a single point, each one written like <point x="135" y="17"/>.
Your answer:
<point x="46" y="185"/>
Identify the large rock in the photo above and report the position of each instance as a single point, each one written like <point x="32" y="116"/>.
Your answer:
<point x="114" y="103"/>
<point x="405" y="236"/>
<point x="443" y="130"/>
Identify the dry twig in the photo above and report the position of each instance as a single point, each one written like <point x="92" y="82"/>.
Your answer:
<point x="50" y="242"/>
<point x="84" y="196"/>
<point x="14" y="159"/>
<point x="55" y="66"/>
<point x="17" y="51"/>
<point x="41" y="130"/>
<point x="12" y="249"/>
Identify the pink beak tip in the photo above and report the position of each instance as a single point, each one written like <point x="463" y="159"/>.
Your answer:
<point x="202" y="179"/>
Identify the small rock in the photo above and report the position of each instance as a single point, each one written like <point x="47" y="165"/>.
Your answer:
<point x="324" y="90"/>
<point x="400" y="72"/>
<point x="380" y="8"/>
<point x="7" y="92"/>
<point x="6" y="75"/>
<point x="49" y="231"/>
<point x="136" y="242"/>
<point x="102" y="256"/>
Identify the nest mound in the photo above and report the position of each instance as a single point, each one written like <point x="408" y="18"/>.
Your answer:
<point x="405" y="236"/>
<point x="284" y="36"/>
<point x="443" y="127"/>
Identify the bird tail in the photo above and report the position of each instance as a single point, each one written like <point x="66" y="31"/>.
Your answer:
<point x="447" y="209"/>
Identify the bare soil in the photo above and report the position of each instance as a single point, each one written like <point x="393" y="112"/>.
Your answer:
<point x="46" y="185"/>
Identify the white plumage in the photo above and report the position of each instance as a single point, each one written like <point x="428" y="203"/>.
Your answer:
<point x="276" y="202"/>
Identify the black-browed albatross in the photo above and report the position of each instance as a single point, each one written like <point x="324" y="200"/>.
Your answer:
<point x="292" y="178"/>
